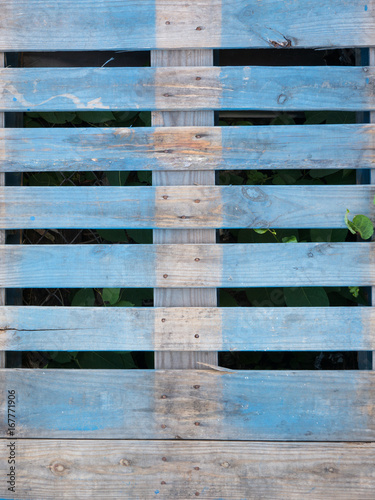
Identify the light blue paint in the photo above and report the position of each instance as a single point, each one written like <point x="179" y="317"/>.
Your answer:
<point x="14" y="99"/>
<point x="294" y="88"/>
<point x="367" y="80"/>
<point x="157" y="492"/>
<point x="142" y="207"/>
<point x="255" y="147"/>
<point x="246" y="405"/>
<point x="131" y="25"/>
<point x="365" y="7"/>
<point x="258" y="328"/>
<point x="132" y="266"/>
<point x="262" y="88"/>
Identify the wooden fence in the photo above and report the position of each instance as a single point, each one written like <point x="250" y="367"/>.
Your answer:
<point x="189" y="428"/>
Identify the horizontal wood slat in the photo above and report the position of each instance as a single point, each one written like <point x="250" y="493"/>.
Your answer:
<point x="168" y="329"/>
<point x="195" y="266"/>
<point x="187" y="148"/>
<point x="245" y="405"/>
<point x="183" y="207"/>
<point x="159" y="24"/>
<point x="188" y="88"/>
<point x="143" y="470"/>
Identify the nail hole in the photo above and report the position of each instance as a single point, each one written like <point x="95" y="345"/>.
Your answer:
<point x="197" y="259"/>
<point x="164" y="396"/>
<point x="197" y="423"/>
<point x="199" y="28"/>
<point x="196" y="386"/>
<point x="198" y="78"/>
<point x="163" y="320"/>
<point x="163" y="426"/>
<point x="165" y="197"/>
<point x="164" y="459"/>
<point x="196" y="336"/>
<point x="163" y="482"/>
<point x="167" y="22"/>
<point x="165" y="275"/>
<point x="198" y="136"/>
<point x="196" y="468"/>
<point x="197" y="201"/>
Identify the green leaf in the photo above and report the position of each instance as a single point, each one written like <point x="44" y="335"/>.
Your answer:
<point x="361" y="225"/>
<point x="289" y="239"/>
<point x="306" y="297"/>
<point x="354" y="290"/>
<point x="318" y="173"/>
<point x="111" y="295"/>
<point x="113" y="235"/>
<point x="96" y="116"/>
<point x="324" y="235"/>
<point x="260" y="231"/>
<point x="254" y="177"/>
<point x="84" y="297"/>
<point x="145" y="176"/>
<point x="145" y="117"/>
<point x="58" y="118"/>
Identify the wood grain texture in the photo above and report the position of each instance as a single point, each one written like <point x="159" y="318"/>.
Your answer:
<point x="188" y="148"/>
<point x="244" y="405"/>
<point x="191" y="266"/>
<point x="183" y="207"/>
<point x="37" y="25"/>
<point x="183" y="296"/>
<point x="188" y="88"/>
<point x="175" y="328"/>
<point x="2" y="233"/>
<point x="84" y="469"/>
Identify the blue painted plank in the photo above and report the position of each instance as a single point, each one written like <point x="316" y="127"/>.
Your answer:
<point x="245" y="405"/>
<point x="187" y="148"/>
<point x="185" y="88"/>
<point x="193" y="266"/>
<point x="183" y="206"/>
<point x="169" y="329"/>
<point x="39" y="25"/>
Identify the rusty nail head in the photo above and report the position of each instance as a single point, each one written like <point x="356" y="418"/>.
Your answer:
<point x="163" y="426"/>
<point x="164" y="396"/>
<point x="167" y="22"/>
<point x="198" y="28"/>
<point x="197" y="423"/>
<point x="165" y="197"/>
<point x="163" y="482"/>
<point x="167" y="95"/>
<point x="196" y="336"/>
<point x="196" y="386"/>
<point x="198" y="136"/>
<point x="163" y="320"/>
<point x="165" y="275"/>
<point x="197" y="201"/>
<point x="197" y="493"/>
<point x="164" y="459"/>
<point x="198" y="78"/>
<point x="196" y="468"/>
<point x="197" y="259"/>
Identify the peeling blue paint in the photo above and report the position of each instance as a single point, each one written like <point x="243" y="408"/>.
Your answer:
<point x="32" y="218"/>
<point x="365" y="7"/>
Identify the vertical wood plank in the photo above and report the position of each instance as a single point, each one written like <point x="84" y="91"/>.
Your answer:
<point x="183" y="297"/>
<point x="372" y="180"/>
<point x="2" y="233"/>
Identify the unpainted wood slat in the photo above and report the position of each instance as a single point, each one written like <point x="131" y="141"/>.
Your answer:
<point x="2" y="233"/>
<point x="37" y="25"/>
<point x="187" y="148"/>
<point x="191" y="266"/>
<point x="197" y="404"/>
<point x="183" y="207"/>
<point x="141" y="470"/>
<point x="185" y="329"/>
<point x="188" y="88"/>
<point x="187" y="297"/>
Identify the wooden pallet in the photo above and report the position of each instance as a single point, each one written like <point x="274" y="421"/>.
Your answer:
<point x="189" y="428"/>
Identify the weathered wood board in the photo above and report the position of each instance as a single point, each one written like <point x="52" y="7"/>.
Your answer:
<point x="187" y="328"/>
<point x="187" y="148"/>
<point x="192" y="266"/>
<point x="188" y="88"/>
<point x="171" y="24"/>
<point x="142" y="470"/>
<point x="190" y="404"/>
<point x="183" y="206"/>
